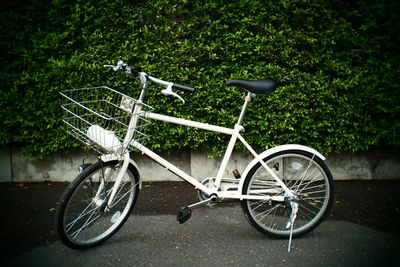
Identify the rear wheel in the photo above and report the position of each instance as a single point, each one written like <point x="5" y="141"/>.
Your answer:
<point x="83" y="219"/>
<point x="306" y="175"/>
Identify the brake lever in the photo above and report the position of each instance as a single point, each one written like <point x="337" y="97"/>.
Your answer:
<point x="109" y="66"/>
<point x="120" y="66"/>
<point x="169" y="92"/>
<point x="115" y="68"/>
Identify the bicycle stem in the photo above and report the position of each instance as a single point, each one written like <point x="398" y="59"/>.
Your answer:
<point x="144" y="82"/>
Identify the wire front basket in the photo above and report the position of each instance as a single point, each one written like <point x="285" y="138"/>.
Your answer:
<point x="104" y="119"/>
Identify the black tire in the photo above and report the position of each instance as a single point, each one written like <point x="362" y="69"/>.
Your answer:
<point x="309" y="179"/>
<point x="82" y="221"/>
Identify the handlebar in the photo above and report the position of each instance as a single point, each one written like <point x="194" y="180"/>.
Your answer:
<point x="173" y="85"/>
<point x="121" y="66"/>
<point x="183" y="88"/>
<point x="136" y="70"/>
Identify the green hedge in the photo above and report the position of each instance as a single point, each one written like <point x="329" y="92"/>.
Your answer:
<point x="336" y="63"/>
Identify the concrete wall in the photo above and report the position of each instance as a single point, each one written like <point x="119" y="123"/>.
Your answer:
<point x="377" y="164"/>
<point x="368" y="165"/>
<point x="5" y="165"/>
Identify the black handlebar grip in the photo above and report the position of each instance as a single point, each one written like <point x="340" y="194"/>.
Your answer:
<point x="183" y="88"/>
<point x="136" y="68"/>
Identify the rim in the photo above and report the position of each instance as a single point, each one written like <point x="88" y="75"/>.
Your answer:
<point x="310" y="184"/>
<point x="97" y="225"/>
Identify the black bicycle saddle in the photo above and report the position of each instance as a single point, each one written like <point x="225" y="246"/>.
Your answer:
<point x="258" y="87"/>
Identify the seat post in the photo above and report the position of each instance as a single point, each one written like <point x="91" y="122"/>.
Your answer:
<point x="249" y="97"/>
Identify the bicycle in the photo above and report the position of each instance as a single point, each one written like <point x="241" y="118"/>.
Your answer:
<point x="285" y="191"/>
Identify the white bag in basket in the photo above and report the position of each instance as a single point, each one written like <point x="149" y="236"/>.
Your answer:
<point x="105" y="139"/>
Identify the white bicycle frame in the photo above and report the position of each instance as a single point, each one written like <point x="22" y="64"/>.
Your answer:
<point x="234" y="133"/>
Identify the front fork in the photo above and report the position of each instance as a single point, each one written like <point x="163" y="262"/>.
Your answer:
<point x="97" y="200"/>
<point x="117" y="183"/>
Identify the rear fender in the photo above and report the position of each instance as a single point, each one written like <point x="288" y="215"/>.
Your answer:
<point x="274" y="150"/>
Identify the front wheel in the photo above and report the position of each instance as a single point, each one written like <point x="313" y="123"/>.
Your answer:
<point x="311" y="182"/>
<point x="83" y="218"/>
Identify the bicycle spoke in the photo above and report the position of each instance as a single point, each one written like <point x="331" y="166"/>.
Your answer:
<point x="312" y="180"/>
<point x="85" y="219"/>
<point x="115" y="202"/>
<point x="86" y="224"/>
<point x="308" y="181"/>
<point x="303" y="175"/>
<point x="266" y="213"/>
<point x="81" y="215"/>
<point x="303" y="207"/>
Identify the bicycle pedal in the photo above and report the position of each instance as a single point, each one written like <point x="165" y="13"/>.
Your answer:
<point x="184" y="214"/>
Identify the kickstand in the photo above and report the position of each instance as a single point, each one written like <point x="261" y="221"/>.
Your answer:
<point x="290" y="224"/>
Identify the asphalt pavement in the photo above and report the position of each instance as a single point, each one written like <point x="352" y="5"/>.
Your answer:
<point x="362" y="229"/>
